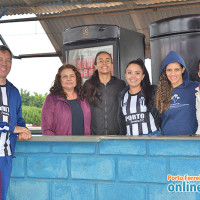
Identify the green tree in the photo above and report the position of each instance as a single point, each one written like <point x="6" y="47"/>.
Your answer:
<point x="31" y="107"/>
<point x="35" y="100"/>
<point x="25" y="96"/>
<point x="38" y="100"/>
<point x="31" y="115"/>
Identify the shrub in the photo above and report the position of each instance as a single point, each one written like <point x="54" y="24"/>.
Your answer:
<point x="31" y="115"/>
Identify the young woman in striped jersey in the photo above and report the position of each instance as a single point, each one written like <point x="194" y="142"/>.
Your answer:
<point x="137" y="113"/>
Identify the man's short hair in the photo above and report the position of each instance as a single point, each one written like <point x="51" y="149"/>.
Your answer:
<point x="4" y="48"/>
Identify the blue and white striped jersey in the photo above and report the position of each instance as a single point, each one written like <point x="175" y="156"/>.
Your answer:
<point x="138" y="119"/>
<point x="5" y="149"/>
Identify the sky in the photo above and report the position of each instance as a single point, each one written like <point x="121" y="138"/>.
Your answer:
<point x="32" y="74"/>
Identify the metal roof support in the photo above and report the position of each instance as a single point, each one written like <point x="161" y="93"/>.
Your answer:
<point x="39" y="55"/>
<point x="51" y="54"/>
<point x="4" y="11"/>
<point x="4" y="43"/>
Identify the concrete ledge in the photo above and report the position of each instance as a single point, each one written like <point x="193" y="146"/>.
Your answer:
<point x="103" y="167"/>
<point x="94" y="138"/>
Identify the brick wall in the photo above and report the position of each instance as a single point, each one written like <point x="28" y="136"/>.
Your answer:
<point x="107" y="170"/>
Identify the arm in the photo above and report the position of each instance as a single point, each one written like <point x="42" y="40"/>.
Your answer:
<point x="20" y="120"/>
<point x="153" y="108"/>
<point x="121" y="119"/>
<point x="24" y="133"/>
<point x="47" y="116"/>
<point x="6" y="127"/>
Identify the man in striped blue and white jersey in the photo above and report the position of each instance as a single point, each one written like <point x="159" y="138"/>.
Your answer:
<point x="11" y="121"/>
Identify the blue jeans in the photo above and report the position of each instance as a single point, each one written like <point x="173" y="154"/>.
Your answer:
<point x="156" y="133"/>
<point x="5" y="168"/>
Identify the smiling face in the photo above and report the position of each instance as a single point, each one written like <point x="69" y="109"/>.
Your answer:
<point x="5" y="65"/>
<point x="134" y="75"/>
<point x="174" y="73"/>
<point x="104" y="63"/>
<point x="68" y="79"/>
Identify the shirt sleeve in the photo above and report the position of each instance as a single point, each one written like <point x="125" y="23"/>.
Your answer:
<point x="47" y="116"/>
<point x="20" y="120"/>
<point x="6" y="127"/>
<point x="121" y="118"/>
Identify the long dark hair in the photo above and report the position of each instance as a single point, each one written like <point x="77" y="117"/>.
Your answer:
<point x="92" y="85"/>
<point x="145" y="83"/>
<point x="57" y="89"/>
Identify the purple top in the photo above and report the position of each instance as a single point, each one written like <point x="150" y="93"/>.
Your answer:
<point x="56" y="116"/>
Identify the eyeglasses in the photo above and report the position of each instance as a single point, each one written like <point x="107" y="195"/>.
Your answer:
<point x="106" y="61"/>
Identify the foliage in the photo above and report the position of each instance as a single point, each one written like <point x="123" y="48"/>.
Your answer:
<point x="35" y="100"/>
<point x="31" y="107"/>
<point x="31" y="115"/>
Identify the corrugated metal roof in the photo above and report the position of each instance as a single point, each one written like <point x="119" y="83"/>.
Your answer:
<point x="149" y="2"/>
<point x="134" y="15"/>
<point x="51" y="6"/>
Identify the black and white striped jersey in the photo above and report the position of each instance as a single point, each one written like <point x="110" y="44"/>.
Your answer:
<point x="5" y="149"/>
<point x="138" y="119"/>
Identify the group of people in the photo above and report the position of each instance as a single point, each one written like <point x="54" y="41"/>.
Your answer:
<point x="75" y="109"/>
<point x="104" y="105"/>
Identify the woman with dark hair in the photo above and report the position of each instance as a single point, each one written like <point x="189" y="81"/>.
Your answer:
<point x="102" y="91"/>
<point x="65" y="111"/>
<point x="175" y="97"/>
<point x="137" y="113"/>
